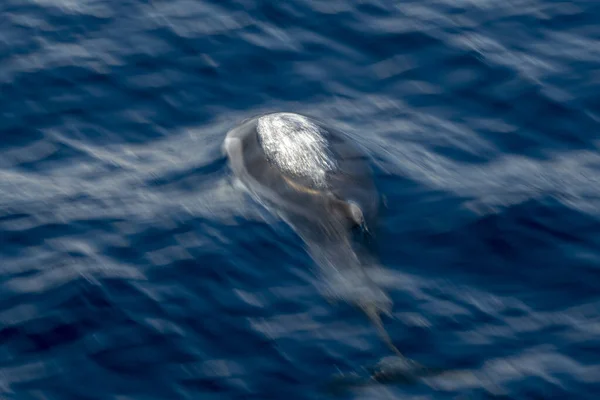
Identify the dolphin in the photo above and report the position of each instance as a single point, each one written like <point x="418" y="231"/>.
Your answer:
<point x="319" y="181"/>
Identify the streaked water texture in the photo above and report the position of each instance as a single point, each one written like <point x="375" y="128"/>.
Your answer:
<point x="133" y="267"/>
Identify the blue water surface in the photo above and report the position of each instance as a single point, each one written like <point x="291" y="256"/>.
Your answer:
<point x="133" y="266"/>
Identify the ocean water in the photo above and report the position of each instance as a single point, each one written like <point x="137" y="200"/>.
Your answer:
<point x="132" y="266"/>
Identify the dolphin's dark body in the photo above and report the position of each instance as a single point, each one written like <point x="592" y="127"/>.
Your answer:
<point x="319" y="181"/>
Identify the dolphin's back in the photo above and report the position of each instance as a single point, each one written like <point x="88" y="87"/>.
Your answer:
<point x="311" y="154"/>
<point x="300" y="164"/>
<point x="299" y="148"/>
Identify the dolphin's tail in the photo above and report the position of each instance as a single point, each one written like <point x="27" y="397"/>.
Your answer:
<point x="394" y="370"/>
<point x="397" y="368"/>
<point x="373" y="312"/>
<point x="399" y="362"/>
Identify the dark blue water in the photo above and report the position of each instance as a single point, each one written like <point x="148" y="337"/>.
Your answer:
<point x="133" y="267"/>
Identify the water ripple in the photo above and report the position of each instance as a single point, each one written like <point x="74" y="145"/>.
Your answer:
<point x="133" y="265"/>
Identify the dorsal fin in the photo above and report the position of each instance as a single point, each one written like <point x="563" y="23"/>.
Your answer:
<point x="350" y="210"/>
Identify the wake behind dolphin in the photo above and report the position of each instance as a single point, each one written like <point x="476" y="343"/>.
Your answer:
<point x="320" y="183"/>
